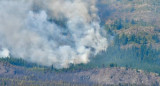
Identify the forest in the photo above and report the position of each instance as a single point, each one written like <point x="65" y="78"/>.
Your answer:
<point x="132" y="28"/>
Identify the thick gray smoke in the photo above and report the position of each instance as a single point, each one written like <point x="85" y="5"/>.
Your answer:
<point x="29" y="30"/>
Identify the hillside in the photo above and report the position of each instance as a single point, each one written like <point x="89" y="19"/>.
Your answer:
<point x="139" y="18"/>
<point x="14" y="75"/>
<point x="130" y="55"/>
<point x="133" y="32"/>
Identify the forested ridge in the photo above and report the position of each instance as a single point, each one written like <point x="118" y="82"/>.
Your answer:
<point x="133" y="32"/>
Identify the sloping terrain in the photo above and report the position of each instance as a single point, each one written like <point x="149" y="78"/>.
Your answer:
<point x="138" y="10"/>
<point x="140" y="18"/>
<point x="134" y="26"/>
<point x="13" y="75"/>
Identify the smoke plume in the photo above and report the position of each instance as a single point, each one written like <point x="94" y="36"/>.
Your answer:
<point x="50" y="32"/>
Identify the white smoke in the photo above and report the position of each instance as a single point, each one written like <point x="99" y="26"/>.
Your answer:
<point x="25" y="30"/>
<point x="4" y="53"/>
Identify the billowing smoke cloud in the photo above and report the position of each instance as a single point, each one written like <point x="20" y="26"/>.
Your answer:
<point x="50" y="32"/>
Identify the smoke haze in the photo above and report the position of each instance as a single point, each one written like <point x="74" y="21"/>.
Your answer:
<point x="29" y="30"/>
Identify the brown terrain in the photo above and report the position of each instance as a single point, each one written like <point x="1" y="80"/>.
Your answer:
<point x="13" y="75"/>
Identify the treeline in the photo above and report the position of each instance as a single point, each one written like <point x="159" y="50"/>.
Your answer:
<point x="18" y="62"/>
<point x="125" y="24"/>
<point x="135" y="39"/>
<point x="23" y="82"/>
<point x="14" y="82"/>
<point x="118" y="28"/>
